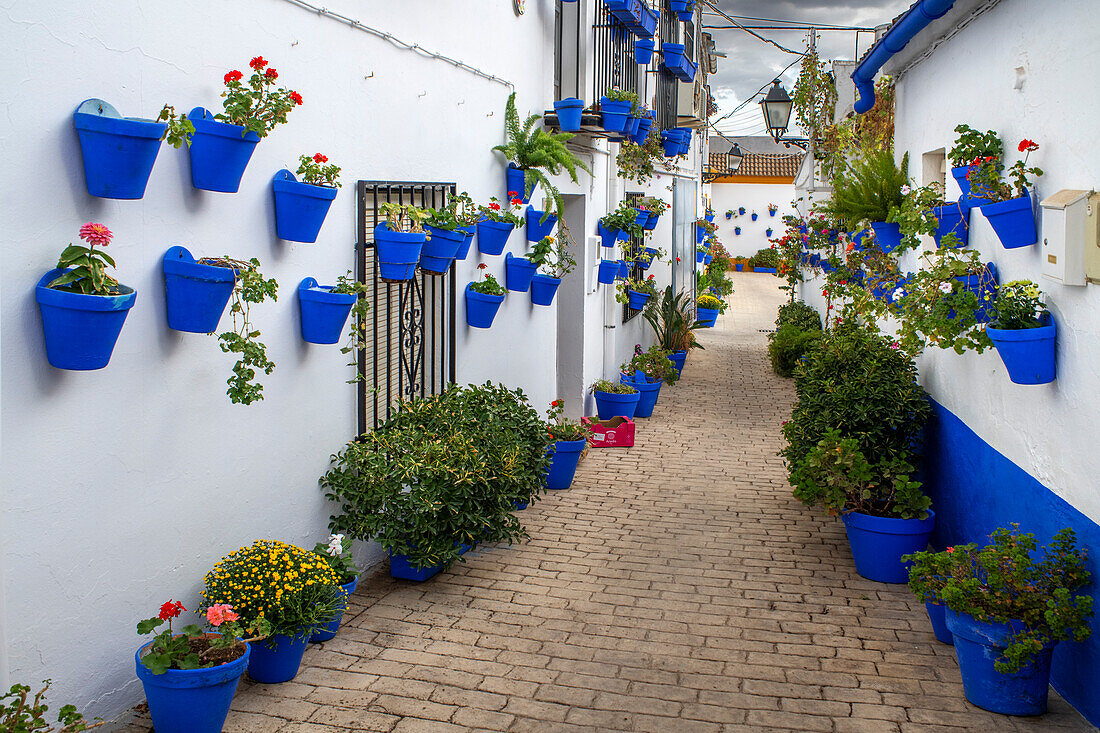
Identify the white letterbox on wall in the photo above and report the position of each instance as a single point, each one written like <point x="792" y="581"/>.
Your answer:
<point x="1065" y="230"/>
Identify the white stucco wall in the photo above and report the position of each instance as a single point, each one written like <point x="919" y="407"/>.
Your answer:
<point x="754" y="197"/>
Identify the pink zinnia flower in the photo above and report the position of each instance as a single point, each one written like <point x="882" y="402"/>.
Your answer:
<point x="219" y="613"/>
<point x="94" y="234"/>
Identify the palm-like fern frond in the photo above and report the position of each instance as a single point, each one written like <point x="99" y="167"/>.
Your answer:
<point x="869" y="188"/>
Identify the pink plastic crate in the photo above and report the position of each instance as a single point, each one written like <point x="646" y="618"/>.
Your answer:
<point x="618" y="432"/>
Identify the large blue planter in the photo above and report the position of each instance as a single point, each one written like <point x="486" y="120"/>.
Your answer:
<point x="400" y="568"/>
<point x="492" y="236"/>
<point x="118" y="153"/>
<point x="772" y="270"/>
<point x="1029" y="354"/>
<point x="536" y="227"/>
<point x="648" y="392"/>
<point x="481" y="308"/>
<point x="334" y="625"/>
<point x="543" y="289"/>
<point x="609" y="405"/>
<point x="196" y="294"/>
<point x="397" y="253"/>
<point x="952" y="219"/>
<point x="878" y="544"/>
<point x="1013" y="221"/>
<point x="300" y="208"/>
<point x="563" y="464"/>
<point x="219" y="152"/>
<point x="637" y="300"/>
<point x="651" y="221"/>
<point x="887" y="234"/>
<point x="518" y="273"/>
<point x="607" y="236"/>
<point x="467" y="240"/>
<point x="977" y="646"/>
<point x="517" y="182"/>
<point x="277" y="658"/>
<point x="324" y="312"/>
<point x="678" y="358"/>
<point x="643" y="50"/>
<point x="80" y="330"/>
<point x="706" y="316"/>
<point x="613" y="114"/>
<point x="440" y="249"/>
<point x="569" y="114"/>
<point x="936" y="617"/>
<point x="608" y="271"/>
<point x="191" y="700"/>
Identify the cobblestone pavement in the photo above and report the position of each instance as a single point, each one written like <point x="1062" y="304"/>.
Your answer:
<point x="676" y="587"/>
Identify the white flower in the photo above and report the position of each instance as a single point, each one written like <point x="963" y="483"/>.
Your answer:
<point x="335" y="545"/>
<point x="945" y="287"/>
<point x="905" y="190"/>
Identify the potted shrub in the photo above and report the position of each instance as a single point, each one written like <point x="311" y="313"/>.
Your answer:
<point x="17" y="713"/>
<point x="556" y="260"/>
<point x="765" y="260"/>
<point x="569" y="112"/>
<point x="287" y="592"/>
<point x="673" y="325"/>
<point x="707" y="308"/>
<point x="496" y="224"/>
<point x="870" y="190"/>
<point x="1023" y="333"/>
<point x="337" y="553"/>
<point x="971" y="149"/>
<point x="646" y="372"/>
<point x="622" y="224"/>
<point x="615" y="108"/>
<point x="190" y="677"/>
<point x="301" y="206"/>
<point x="83" y="308"/>
<point x="325" y="308"/>
<point x="222" y="144"/>
<point x="1008" y="604"/>
<point x="636" y="293"/>
<point x="614" y="399"/>
<point x="399" y="240"/>
<point x="483" y="299"/>
<point x="533" y="154"/>
<point x="704" y="229"/>
<point x="568" y="439"/>
<point x="442" y="472"/>
<point x="1009" y="208"/>
<point x="444" y="239"/>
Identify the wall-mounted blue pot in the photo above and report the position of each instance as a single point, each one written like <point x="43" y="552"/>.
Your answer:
<point x="563" y="463"/>
<point x="80" y="330"/>
<point x="191" y="700"/>
<point x="517" y="183"/>
<point x="644" y="126"/>
<point x="543" y="289"/>
<point x="1013" y="221"/>
<point x="440" y="249"/>
<point x="684" y="9"/>
<point x="700" y="233"/>
<point x="670" y="144"/>
<point x="624" y="270"/>
<point x="613" y="114"/>
<point x="492" y="236"/>
<point x="709" y="216"/>
<point x="397" y="253"/>
<point x="768" y="232"/>
<point x="329" y="632"/>
<point x="518" y="273"/>
<point x="630" y="129"/>
<point x="537" y="228"/>
<point x="952" y="219"/>
<point x="118" y="153"/>
<point x="643" y="50"/>
<point x="219" y="152"/>
<point x="637" y="300"/>
<point x="481" y="309"/>
<point x="737" y="231"/>
<point x="277" y="658"/>
<point x="887" y="234"/>
<point x="569" y="113"/>
<point x="467" y="240"/>
<point x="324" y="312"/>
<point x="699" y="257"/>
<point x="608" y="271"/>
<point x="607" y="236"/>
<point x="878" y="544"/>
<point x="300" y="208"/>
<point x="646" y="260"/>
<point x="610" y="404"/>
<point x="651" y="221"/>
<point x="196" y="294"/>
<point x="755" y="216"/>
<point x="1028" y="353"/>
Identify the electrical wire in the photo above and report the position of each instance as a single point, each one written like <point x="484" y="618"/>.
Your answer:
<point x="722" y="13"/>
<point x="807" y="24"/>
<point x="758" y="91"/>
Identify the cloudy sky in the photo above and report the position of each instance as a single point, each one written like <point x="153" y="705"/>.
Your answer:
<point x="751" y="63"/>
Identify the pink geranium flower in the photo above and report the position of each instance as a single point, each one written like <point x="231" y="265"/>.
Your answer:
<point x="219" y="613"/>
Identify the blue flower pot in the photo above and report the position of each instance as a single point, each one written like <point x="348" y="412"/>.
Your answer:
<point x="191" y="700"/>
<point x="613" y="114"/>
<point x="118" y="153"/>
<point x="754" y="216"/>
<point x="440" y="249"/>
<point x="936" y="617"/>
<point x="1029" y="354"/>
<point x="630" y="129"/>
<point x="219" y="152"/>
<point x="80" y="330"/>
<point x="609" y="405"/>
<point x="644" y="126"/>
<point x="771" y="270"/>
<point x="277" y="658"/>
<point x="636" y="300"/>
<point x="887" y="234"/>
<point x="536" y="228"/>
<point x="709" y="216"/>
<point x="623" y="234"/>
<point x="324" y="312"/>
<point x="196" y="294"/>
<point x="334" y="625"/>
<point x="982" y="286"/>
<point x="680" y="66"/>
<point x="878" y="544"/>
<point x="706" y="316"/>
<point x="648" y="392"/>
<point x="467" y="240"/>
<point x="678" y="358"/>
<point x="300" y="208"/>
<point x="700" y="233"/>
<point x="481" y="308"/>
<point x="977" y="646"/>
<point x="771" y="213"/>
<point x="959" y="174"/>
<point x="651" y="221"/>
<point x="518" y="273"/>
<point x="699" y="257"/>
<point x="517" y="182"/>
<point x="607" y="236"/>
<point x="952" y="219"/>
<point x="624" y="270"/>
<point x="643" y="50"/>
<point x="543" y="289"/>
<point x="646" y="261"/>
<point x="400" y="568"/>
<point x="737" y="231"/>
<point x="768" y="233"/>
<point x="738" y="267"/>
<point x="641" y="216"/>
<point x="563" y="463"/>
<point x="569" y="114"/>
<point x="608" y="271"/>
<point x="1013" y="221"/>
<point x="397" y="253"/>
<point x="492" y="236"/>
<point x="682" y="8"/>
<point x="670" y="144"/>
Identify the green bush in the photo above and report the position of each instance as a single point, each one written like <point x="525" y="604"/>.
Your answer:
<point x="798" y="314"/>
<point x="788" y="345"/>
<point x="442" y="470"/>
<point x="766" y="257"/>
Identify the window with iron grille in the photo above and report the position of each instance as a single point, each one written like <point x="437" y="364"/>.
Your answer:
<point x="665" y="86"/>
<point x="613" y="55"/>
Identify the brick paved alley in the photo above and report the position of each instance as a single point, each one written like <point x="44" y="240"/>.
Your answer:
<point x="677" y="587"/>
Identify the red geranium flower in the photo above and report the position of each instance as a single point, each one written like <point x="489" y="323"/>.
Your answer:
<point x="258" y="63"/>
<point x="233" y="76"/>
<point x="320" y="158"/>
<point x="517" y="201"/>
<point x="296" y="97"/>
<point x="171" y="609"/>
<point x="513" y="194"/>
<point x="271" y="74"/>
<point x="482" y="266"/>
<point x="494" y="206"/>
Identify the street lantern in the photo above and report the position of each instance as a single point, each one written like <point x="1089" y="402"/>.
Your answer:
<point x="735" y="156"/>
<point x="777" y="110"/>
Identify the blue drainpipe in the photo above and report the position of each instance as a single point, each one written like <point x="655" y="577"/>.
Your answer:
<point x="913" y="22"/>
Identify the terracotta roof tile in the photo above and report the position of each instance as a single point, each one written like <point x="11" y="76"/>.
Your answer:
<point x="771" y="165"/>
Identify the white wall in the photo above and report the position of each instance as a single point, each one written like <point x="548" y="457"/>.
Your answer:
<point x="754" y="197"/>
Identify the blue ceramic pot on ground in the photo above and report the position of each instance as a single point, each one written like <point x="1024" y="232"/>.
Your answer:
<point x="518" y="273"/>
<point x="440" y="249"/>
<point x="608" y="271"/>
<point x="678" y="358"/>
<point x="400" y="568"/>
<point x="609" y="405"/>
<point x="706" y="316"/>
<point x="887" y="234"/>
<point x="537" y="227"/>
<point x="543" y="289"/>
<point x="952" y="219"/>
<point x="637" y="300"/>
<point x="481" y="308"/>
<point x="569" y="114"/>
<point x="324" y="312"/>
<point x="977" y="646"/>
<point x="397" y="253"/>
<point x="80" y="330"/>
<point x="118" y="153"/>
<point x="878" y="544"/>
<point x="300" y="208"/>
<point x="1029" y="354"/>
<point x="1013" y="221"/>
<point x="196" y="293"/>
<point x="219" y="152"/>
<point x="191" y="700"/>
<point x="334" y="625"/>
<point x="277" y="658"/>
<point x="648" y="392"/>
<point x="607" y="236"/>
<point x="563" y="464"/>
<point x="467" y="240"/>
<point x="614" y="114"/>
<point x="492" y="236"/>
<point x="936" y="617"/>
<point x="516" y="180"/>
